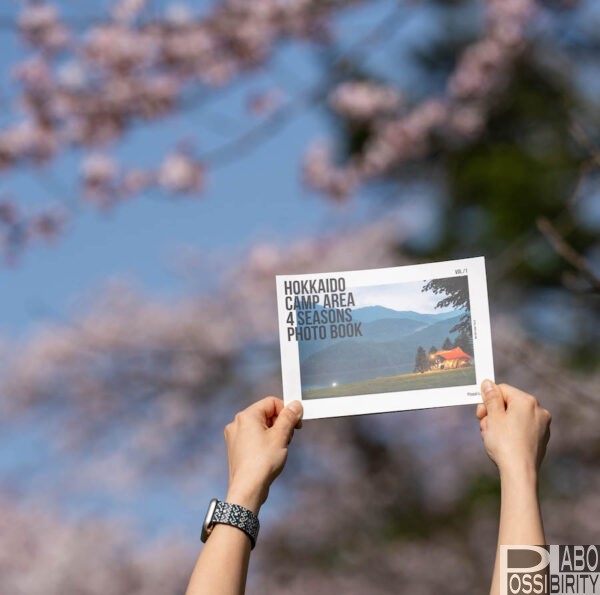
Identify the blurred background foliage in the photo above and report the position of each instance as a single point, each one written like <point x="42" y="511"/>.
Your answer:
<point x="112" y="413"/>
<point x="535" y="164"/>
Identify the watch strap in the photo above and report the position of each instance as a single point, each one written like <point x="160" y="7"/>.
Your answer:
<point x="237" y="516"/>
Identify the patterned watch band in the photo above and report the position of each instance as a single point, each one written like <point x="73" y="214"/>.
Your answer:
<point x="238" y="516"/>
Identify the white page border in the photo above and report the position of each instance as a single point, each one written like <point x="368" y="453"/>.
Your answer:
<point x="404" y="400"/>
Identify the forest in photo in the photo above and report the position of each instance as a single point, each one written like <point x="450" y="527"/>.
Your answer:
<point x="452" y="354"/>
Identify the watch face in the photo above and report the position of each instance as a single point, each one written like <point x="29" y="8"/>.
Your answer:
<point x="207" y="526"/>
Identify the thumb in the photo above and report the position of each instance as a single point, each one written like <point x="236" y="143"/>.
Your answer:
<point x="492" y="397"/>
<point x="287" y="420"/>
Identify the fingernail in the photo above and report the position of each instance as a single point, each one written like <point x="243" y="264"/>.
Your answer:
<point x="487" y="386"/>
<point x="296" y="407"/>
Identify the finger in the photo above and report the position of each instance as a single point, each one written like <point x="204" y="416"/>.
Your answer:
<point x="265" y="409"/>
<point x="547" y="416"/>
<point x="483" y="425"/>
<point x="511" y="394"/>
<point x="492" y="398"/>
<point x="279" y="405"/>
<point x="287" y="419"/>
<point x="481" y="411"/>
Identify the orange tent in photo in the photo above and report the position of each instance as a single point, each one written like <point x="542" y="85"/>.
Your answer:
<point x="456" y="353"/>
<point x="447" y="359"/>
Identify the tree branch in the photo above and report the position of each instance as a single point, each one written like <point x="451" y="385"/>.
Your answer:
<point x="566" y="251"/>
<point x="266" y="128"/>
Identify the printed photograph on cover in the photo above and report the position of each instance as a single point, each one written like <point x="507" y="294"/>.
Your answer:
<point x="388" y="338"/>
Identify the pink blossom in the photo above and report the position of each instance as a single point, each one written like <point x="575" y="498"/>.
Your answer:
<point x="98" y="172"/>
<point x="127" y="10"/>
<point x="41" y="26"/>
<point x="118" y="47"/>
<point x="42" y="553"/>
<point x="178" y="14"/>
<point x="180" y="173"/>
<point x="118" y="71"/>
<point x="156" y="95"/>
<point x="321" y="173"/>
<point x="480" y="75"/>
<point x="48" y="226"/>
<point x="466" y="122"/>
<point x="27" y="140"/>
<point x="33" y="73"/>
<point x="361" y="100"/>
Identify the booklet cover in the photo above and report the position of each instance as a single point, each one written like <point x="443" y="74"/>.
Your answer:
<point x="390" y="339"/>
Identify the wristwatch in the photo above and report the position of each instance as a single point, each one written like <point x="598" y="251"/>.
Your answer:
<point x="230" y="514"/>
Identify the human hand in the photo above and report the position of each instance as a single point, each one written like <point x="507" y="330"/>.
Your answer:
<point x="514" y="427"/>
<point x="257" y="441"/>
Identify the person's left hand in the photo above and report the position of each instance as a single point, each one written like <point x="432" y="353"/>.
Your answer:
<point x="257" y="446"/>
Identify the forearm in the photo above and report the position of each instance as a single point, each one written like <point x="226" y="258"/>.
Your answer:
<point x="257" y="442"/>
<point x="520" y="516"/>
<point x="222" y="565"/>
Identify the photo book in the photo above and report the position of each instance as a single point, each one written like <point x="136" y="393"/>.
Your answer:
<point x="390" y="339"/>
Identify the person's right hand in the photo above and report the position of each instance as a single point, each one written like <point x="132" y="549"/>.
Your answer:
<point x="514" y="427"/>
<point x="257" y="447"/>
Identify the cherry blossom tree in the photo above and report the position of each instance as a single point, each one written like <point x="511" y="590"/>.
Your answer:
<point x="160" y="381"/>
<point x="132" y="388"/>
<point x="84" y="88"/>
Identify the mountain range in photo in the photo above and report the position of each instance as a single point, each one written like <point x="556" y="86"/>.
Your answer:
<point x="388" y="345"/>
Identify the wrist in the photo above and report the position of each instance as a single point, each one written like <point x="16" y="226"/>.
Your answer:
<point x="250" y="498"/>
<point x="519" y="473"/>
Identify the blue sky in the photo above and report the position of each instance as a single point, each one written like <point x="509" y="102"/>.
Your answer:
<point x="258" y="196"/>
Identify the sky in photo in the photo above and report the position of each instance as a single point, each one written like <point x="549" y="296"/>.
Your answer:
<point x="399" y="296"/>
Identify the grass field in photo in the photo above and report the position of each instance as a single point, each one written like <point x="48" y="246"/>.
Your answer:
<point x="390" y="384"/>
